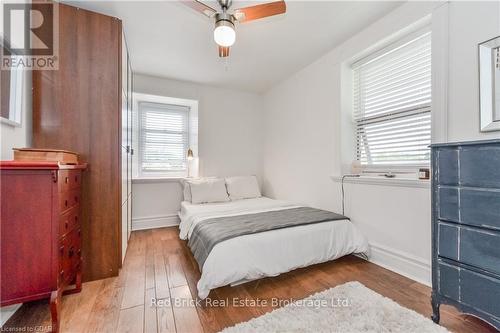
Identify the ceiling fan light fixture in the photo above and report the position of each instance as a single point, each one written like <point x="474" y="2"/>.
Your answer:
<point x="224" y="33"/>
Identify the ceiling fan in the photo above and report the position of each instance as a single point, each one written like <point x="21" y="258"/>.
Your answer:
<point x="224" y="33"/>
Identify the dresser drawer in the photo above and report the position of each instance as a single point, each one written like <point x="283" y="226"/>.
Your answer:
<point x="70" y="254"/>
<point x="77" y="257"/>
<point x="448" y="280"/>
<point x="69" y="220"/>
<point x="480" y="292"/>
<point x="69" y="199"/>
<point x="475" y="247"/>
<point x="447" y="166"/>
<point x="480" y="248"/>
<point x="472" y="288"/>
<point x="479" y="166"/>
<point x="448" y="204"/>
<point x="475" y="207"/>
<point x="480" y="207"/>
<point x="69" y="179"/>
<point x="448" y="240"/>
<point x="64" y="261"/>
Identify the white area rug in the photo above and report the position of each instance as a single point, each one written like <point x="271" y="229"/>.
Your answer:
<point x="347" y="308"/>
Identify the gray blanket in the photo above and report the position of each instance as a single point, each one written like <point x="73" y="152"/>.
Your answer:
<point x="210" y="232"/>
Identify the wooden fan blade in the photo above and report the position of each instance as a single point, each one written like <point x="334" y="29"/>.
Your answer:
<point x="259" y="11"/>
<point x="223" y="51"/>
<point x="199" y="7"/>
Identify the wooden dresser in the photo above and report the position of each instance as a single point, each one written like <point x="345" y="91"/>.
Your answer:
<point x="466" y="228"/>
<point x="40" y="232"/>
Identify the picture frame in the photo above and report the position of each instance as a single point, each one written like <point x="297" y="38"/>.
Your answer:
<point x="12" y="86"/>
<point x="489" y="84"/>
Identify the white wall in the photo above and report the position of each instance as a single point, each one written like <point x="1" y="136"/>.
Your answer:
<point x="229" y="143"/>
<point x="470" y="23"/>
<point x="306" y="129"/>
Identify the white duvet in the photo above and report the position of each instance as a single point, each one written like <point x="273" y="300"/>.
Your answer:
<point x="269" y="253"/>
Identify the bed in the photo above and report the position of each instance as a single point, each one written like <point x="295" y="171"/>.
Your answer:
<point x="253" y="256"/>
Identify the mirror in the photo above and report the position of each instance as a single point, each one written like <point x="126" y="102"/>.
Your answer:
<point x="489" y="84"/>
<point x="11" y="90"/>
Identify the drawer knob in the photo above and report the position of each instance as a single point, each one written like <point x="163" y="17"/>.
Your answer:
<point x="76" y="218"/>
<point x="71" y="252"/>
<point x="66" y="203"/>
<point x="66" y="180"/>
<point x="66" y="224"/>
<point x="61" y="249"/>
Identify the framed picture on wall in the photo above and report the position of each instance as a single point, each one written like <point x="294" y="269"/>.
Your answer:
<point x="12" y="88"/>
<point x="489" y="84"/>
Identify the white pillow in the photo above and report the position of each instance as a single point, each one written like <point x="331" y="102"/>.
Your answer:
<point x="211" y="190"/>
<point x="245" y="187"/>
<point x="187" y="186"/>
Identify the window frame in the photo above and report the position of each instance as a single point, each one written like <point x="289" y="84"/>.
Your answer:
<point x="390" y="116"/>
<point x="162" y="173"/>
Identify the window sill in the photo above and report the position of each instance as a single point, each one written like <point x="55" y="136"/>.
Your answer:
<point x="154" y="180"/>
<point x="380" y="181"/>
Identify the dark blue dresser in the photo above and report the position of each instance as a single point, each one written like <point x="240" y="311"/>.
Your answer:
<point x="466" y="228"/>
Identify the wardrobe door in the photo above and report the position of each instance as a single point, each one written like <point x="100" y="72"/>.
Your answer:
<point x="78" y="108"/>
<point x="124" y="176"/>
<point x="125" y="148"/>
<point x="131" y="152"/>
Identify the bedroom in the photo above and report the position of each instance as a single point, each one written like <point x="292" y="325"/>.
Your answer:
<point x="321" y="146"/>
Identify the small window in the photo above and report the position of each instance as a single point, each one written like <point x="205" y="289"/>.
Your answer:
<point x="163" y="139"/>
<point x="392" y="104"/>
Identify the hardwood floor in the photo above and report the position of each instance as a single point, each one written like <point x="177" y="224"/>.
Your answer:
<point x="159" y="265"/>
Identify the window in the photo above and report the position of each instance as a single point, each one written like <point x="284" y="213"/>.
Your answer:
<point x="163" y="139"/>
<point x="392" y="104"/>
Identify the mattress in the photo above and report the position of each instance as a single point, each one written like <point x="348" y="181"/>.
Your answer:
<point x="269" y="253"/>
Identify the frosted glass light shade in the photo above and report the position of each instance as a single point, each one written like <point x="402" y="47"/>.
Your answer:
<point x="224" y="35"/>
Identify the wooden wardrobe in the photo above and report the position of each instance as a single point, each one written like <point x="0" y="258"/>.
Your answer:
<point x="85" y="106"/>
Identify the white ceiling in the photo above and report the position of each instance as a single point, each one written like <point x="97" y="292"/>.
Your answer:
<point x="168" y="39"/>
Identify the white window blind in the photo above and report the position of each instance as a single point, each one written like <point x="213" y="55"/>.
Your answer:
<point x="163" y="138"/>
<point x="392" y="104"/>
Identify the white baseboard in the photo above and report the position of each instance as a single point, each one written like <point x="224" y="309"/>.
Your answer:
<point x="151" y="222"/>
<point x="402" y="263"/>
<point x="7" y="311"/>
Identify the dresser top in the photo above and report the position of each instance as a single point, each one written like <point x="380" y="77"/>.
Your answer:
<point x="38" y="165"/>
<point x="467" y="143"/>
